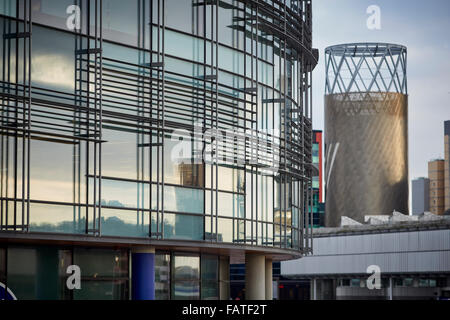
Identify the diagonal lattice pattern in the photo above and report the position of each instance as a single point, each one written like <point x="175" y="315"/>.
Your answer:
<point x="365" y="67"/>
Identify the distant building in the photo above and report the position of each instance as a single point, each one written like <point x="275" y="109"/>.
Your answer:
<point x="412" y="254"/>
<point x="317" y="184"/>
<point x="436" y="176"/>
<point x="447" y="164"/>
<point x="420" y="195"/>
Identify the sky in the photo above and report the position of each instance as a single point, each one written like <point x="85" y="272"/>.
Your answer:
<point x="424" y="28"/>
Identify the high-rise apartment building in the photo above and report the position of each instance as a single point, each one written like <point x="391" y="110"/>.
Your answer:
<point x="149" y="141"/>
<point x="420" y="195"/>
<point x="447" y="164"/>
<point x="437" y="187"/>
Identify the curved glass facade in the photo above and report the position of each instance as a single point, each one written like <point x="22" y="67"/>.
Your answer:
<point x="169" y="120"/>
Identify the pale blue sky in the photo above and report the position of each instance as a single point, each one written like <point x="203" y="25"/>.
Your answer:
<point x="424" y="28"/>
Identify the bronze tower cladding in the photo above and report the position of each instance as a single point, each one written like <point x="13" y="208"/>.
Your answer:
<point x="366" y="130"/>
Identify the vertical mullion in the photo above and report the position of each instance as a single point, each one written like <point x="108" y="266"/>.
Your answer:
<point x="158" y="151"/>
<point x="94" y="221"/>
<point x="24" y="102"/>
<point x="16" y="115"/>
<point x="150" y="152"/>
<point x="216" y="109"/>
<point x="30" y="26"/>
<point x="88" y="31"/>
<point x="163" y="112"/>
<point x="100" y="133"/>
<point x="255" y="97"/>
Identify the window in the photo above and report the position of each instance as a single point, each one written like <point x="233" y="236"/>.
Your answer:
<point x="209" y="277"/>
<point x="52" y="61"/>
<point x="345" y="282"/>
<point x="181" y="226"/>
<point x="162" y="276"/>
<point x="51" y="171"/>
<point x="184" y="15"/>
<point x="38" y="273"/>
<point x="120" y="21"/>
<point x="125" y="223"/>
<point x="185" y="277"/>
<point x="57" y="218"/>
<point x="178" y="199"/>
<point x="8" y="8"/>
<point x="104" y="274"/>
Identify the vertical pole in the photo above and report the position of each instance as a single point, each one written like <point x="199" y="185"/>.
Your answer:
<point x="314" y="285"/>
<point x="390" y="289"/>
<point x="269" y="279"/>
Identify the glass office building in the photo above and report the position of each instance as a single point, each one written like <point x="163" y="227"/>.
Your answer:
<point x="183" y="126"/>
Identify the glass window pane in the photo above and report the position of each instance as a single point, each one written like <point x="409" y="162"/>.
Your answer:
<point x="38" y="273"/>
<point x="179" y="167"/>
<point x="225" y="230"/>
<point x="229" y="205"/>
<point x="51" y="12"/>
<point x="178" y="226"/>
<point x="210" y="265"/>
<point x="230" y="179"/>
<point x="99" y="263"/>
<point x="239" y="231"/>
<point x="120" y="164"/>
<point x="124" y="194"/>
<point x="125" y="223"/>
<point x="8" y="8"/>
<point x="185" y="290"/>
<point x="57" y="218"/>
<point x="185" y="267"/>
<point x="184" y="46"/>
<point x="51" y="171"/>
<point x="52" y="61"/>
<point x="162" y="276"/>
<point x="183" y="15"/>
<point x="209" y="277"/>
<point x="180" y="199"/>
<point x="210" y="290"/>
<point x="120" y="21"/>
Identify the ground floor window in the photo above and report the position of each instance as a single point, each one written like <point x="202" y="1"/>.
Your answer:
<point x="42" y="273"/>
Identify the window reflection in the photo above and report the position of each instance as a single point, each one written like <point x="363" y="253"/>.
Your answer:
<point x="179" y="226"/>
<point x="57" y="218"/>
<point x="185" y="277"/>
<point x="104" y="276"/>
<point x="178" y="199"/>
<point x="52" y="61"/>
<point x="162" y="276"/>
<point x="38" y="273"/>
<point x="209" y="277"/>
<point x="59" y="171"/>
<point x="125" y="223"/>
